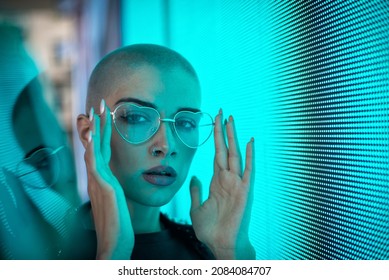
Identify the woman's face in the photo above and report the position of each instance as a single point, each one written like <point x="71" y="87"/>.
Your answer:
<point x="169" y="92"/>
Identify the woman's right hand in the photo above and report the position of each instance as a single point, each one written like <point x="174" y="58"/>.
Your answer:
<point x="115" y="235"/>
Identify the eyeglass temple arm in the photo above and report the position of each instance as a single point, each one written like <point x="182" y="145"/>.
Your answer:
<point x="57" y="150"/>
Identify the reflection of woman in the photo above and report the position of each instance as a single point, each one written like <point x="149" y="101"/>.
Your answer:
<point x="151" y="96"/>
<point x="36" y="191"/>
<point x="46" y="148"/>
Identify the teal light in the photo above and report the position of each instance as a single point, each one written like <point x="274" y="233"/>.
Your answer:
<point x="310" y="81"/>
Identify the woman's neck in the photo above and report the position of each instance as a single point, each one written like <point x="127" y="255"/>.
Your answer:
<point x="145" y="219"/>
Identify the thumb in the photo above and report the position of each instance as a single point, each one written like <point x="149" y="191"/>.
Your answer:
<point x="195" y="193"/>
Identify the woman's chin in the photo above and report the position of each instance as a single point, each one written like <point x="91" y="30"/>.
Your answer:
<point x="152" y="196"/>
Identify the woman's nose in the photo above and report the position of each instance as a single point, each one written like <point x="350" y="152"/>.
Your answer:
<point x="164" y="141"/>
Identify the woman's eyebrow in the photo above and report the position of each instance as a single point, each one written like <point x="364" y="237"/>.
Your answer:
<point x="149" y="104"/>
<point x="28" y="154"/>
<point x="189" y="109"/>
<point x="137" y="101"/>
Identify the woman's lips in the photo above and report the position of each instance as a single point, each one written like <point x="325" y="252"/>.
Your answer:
<point x="160" y="175"/>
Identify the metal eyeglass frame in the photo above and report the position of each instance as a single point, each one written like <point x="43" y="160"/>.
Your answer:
<point x="168" y="120"/>
<point x="53" y="152"/>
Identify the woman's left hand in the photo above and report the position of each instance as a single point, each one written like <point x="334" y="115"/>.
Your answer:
<point x="222" y="221"/>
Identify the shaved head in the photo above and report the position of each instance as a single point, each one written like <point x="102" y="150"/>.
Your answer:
<point x="123" y="62"/>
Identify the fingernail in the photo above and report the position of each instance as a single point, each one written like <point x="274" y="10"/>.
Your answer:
<point x="90" y="136"/>
<point x="252" y="139"/>
<point x="220" y="114"/>
<point x="91" y="112"/>
<point x="230" y="119"/>
<point x="194" y="179"/>
<point x="102" y="106"/>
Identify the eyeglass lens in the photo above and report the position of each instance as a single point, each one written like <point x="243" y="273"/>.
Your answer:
<point x="138" y="124"/>
<point x="39" y="170"/>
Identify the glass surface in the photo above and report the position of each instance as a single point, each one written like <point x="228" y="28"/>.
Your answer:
<point x="41" y="169"/>
<point x="137" y="124"/>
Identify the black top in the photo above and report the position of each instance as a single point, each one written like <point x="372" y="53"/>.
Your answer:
<point x="175" y="242"/>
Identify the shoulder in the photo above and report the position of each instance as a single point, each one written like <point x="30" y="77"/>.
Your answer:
<point x="186" y="233"/>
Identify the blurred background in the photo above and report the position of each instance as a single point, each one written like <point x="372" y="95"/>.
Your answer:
<point x="308" y="79"/>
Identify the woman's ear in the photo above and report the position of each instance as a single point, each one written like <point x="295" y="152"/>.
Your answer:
<point x="83" y="128"/>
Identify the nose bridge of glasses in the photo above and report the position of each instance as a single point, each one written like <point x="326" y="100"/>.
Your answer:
<point x="169" y="134"/>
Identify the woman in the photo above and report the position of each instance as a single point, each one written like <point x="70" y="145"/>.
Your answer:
<point x="151" y="96"/>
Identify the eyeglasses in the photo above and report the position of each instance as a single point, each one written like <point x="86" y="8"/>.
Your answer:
<point x="41" y="169"/>
<point x="137" y="124"/>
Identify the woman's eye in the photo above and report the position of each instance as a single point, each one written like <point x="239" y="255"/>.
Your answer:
<point x="40" y="162"/>
<point x="43" y="163"/>
<point x="135" y="118"/>
<point x="186" y="124"/>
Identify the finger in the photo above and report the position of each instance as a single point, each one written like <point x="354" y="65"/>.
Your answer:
<point x="99" y="173"/>
<point x="221" y="151"/>
<point x="90" y="163"/>
<point x="195" y="193"/>
<point x="106" y="131"/>
<point x="94" y="170"/>
<point x="96" y="137"/>
<point x="93" y="155"/>
<point x="89" y="156"/>
<point x="234" y="155"/>
<point x="249" y="171"/>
